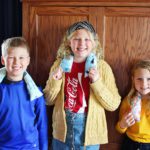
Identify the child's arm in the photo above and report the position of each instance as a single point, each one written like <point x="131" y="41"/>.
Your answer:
<point x="126" y="118"/>
<point x="53" y="84"/>
<point x="105" y="89"/>
<point x="42" y="124"/>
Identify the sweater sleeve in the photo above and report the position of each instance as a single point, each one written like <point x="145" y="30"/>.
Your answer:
<point x="105" y="88"/>
<point x="42" y="124"/>
<point x="119" y="129"/>
<point x="123" y="109"/>
<point x="52" y="87"/>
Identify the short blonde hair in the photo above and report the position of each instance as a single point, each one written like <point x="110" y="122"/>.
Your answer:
<point x="12" y="43"/>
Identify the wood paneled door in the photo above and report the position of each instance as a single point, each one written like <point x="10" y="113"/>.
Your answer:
<point x="126" y="40"/>
<point x="124" y="33"/>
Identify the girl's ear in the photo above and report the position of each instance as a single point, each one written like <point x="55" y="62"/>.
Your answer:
<point x="2" y="60"/>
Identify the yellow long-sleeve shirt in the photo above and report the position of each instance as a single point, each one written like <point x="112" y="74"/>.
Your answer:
<point x="140" y="131"/>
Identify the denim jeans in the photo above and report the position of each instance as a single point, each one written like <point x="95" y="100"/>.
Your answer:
<point x="75" y="134"/>
<point x="129" y="144"/>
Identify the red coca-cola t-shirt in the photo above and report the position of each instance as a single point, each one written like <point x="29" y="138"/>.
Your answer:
<point x="77" y="89"/>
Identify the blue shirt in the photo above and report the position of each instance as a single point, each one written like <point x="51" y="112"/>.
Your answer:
<point x="23" y="123"/>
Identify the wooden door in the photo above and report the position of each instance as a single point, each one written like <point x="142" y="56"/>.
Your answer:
<point x="124" y="33"/>
<point x="126" y="39"/>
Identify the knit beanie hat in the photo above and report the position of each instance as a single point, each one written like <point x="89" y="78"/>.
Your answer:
<point x="81" y="25"/>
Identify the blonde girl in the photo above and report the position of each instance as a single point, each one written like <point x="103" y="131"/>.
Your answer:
<point x="79" y="101"/>
<point x="134" y="120"/>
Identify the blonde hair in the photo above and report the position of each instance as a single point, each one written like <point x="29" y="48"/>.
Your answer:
<point x="12" y="43"/>
<point x="65" y="49"/>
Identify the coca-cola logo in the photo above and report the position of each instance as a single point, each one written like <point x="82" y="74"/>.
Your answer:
<point x="72" y="92"/>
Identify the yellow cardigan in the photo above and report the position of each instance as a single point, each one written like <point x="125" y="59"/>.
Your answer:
<point x="103" y="94"/>
<point x="140" y="131"/>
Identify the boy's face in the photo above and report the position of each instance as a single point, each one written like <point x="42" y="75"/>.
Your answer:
<point x="16" y="62"/>
<point x="81" y="45"/>
<point x="141" y="80"/>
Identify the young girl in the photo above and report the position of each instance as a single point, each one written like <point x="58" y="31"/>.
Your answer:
<point x="79" y="120"/>
<point x="134" y="116"/>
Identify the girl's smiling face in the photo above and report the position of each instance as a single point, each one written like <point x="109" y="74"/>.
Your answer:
<point x="141" y="80"/>
<point x="81" y="44"/>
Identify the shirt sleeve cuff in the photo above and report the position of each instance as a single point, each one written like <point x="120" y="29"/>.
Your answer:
<point x="119" y="129"/>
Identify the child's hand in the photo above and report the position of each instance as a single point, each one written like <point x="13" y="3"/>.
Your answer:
<point x="57" y="74"/>
<point x="93" y="74"/>
<point x="127" y="120"/>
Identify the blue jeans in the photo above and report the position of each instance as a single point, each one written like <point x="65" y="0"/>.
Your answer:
<point x="129" y="144"/>
<point x="75" y="134"/>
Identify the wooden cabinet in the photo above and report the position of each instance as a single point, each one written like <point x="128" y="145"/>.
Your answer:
<point x="123" y="28"/>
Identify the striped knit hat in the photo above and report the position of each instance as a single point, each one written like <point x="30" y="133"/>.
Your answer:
<point x="81" y="25"/>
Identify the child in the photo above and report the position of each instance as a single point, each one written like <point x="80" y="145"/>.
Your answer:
<point x="23" y="118"/>
<point x="134" y="116"/>
<point x="79" y="120"/>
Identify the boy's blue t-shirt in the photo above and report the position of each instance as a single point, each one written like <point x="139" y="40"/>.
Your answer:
<point x="23" y="123"/>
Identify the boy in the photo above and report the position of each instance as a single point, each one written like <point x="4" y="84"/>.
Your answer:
<point x="23" y="119"/>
